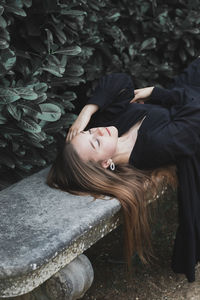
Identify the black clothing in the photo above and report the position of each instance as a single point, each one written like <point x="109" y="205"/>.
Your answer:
<point x="170" y="134"/>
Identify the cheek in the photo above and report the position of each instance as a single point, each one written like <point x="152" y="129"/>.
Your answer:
<point x="111" y="146"/>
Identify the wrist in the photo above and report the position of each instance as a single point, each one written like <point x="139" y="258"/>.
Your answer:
<point x="90" y="109"/>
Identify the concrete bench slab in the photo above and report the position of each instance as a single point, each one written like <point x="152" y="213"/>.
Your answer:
<point x="43" y="229"/>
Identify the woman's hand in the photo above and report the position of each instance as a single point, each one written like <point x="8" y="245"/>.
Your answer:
<point x="142" y="95"/>
<point x="81" y="121"/>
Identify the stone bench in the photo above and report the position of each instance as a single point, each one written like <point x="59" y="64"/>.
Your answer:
<point x="43" y="233"/>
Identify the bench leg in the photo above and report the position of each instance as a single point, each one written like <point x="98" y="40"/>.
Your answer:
<point x="72" y="281"/>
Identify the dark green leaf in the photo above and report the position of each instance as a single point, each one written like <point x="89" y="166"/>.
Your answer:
<point x="50" y="112"/>
<point x="69" y="119"/>
<point x="53" y="60"/>
<point x="10" y="60"/>
<point x="15" y="10"/>
<point x="8" y="96"/>
<point x="4" y="34"/>
<point x="49" y="39"/>
<point x="113" y="16"/>
<point x="63" y="61"/>
<point x="41" y="99"/>
<point x="3" y="23"/>
<point x="148" y="44"/>
<point x="73" y="81"/>
<point x="42" y="123"/>
<point x="68" y="105"/>
<point x="187" y="42"/>
<point x="35" y="144"/>
<point x="72" y="13"/>
<point x="40" y="87"/>
<point x="193" y="30"/>
<point x="59" y="104"/>
<point x="27" y="3"/>
<point x="3" y="143"/>
<point x="131" y="51"/>
<point x="1" y="10"/>
<point x="29" y="125"/>
<point x="15" y="146"/>
<point x="93" y="40"/>
<point x="73" y="50"/>
<point x="163" y="18"/>
<point x="3" y="44"/>
<point x="179" y="12"/>
<point x="37" y="137"/>
<point x="36" y="161"/>
<point x="69" y="96"/>
<point x="74" y="70"/>
<point x="182" y="55"/>
<point x="26" y="93"/>
<point x="3" y="119"/>
<point x="190" y="51"/>
<point x="64" y="122"/>
<point x="94" y="6"/>
<point x="30" y="110"/>
<point x="15" y="113"/>
<point x="16" y="3"/>
<point x="7" y="161"/>
<point x="59" y="33"/>
<point x="53" y="70"/>
<point x="25" y="168"/>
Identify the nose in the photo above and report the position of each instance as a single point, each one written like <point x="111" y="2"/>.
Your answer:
<point x="98" y="131"/>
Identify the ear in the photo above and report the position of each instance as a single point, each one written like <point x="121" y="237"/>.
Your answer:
<point x="106" y="163"/>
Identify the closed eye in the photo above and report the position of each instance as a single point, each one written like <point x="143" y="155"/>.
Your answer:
<point x="98" y="142"/>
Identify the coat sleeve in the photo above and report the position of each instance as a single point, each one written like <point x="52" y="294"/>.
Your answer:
<point x="168" y="98"/>
<point x="113" y="92"/>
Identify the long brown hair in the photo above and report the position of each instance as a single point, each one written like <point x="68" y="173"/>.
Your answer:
<point x="69" y="173"/>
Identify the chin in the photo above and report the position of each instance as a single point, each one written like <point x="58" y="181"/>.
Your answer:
<point x="113" y="130"/>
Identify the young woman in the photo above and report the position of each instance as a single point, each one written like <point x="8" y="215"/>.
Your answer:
<point x="119" y="136"/>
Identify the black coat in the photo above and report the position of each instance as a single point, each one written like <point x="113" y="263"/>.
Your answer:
<point x="170" y="134"/>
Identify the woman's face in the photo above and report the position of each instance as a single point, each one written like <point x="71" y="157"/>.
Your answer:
<point x="97" y="144"/>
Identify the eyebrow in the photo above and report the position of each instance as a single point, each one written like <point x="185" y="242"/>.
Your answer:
<point x="92" y="145"/>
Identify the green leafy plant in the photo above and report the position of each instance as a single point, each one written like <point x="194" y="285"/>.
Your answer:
<point x="52" y="52"/>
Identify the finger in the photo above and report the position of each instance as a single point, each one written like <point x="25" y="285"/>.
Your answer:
<point x="137" y="90"/>
<point x="72" y="134"/>
<point x="135" y="99"/>
<point x="68" y="136"/>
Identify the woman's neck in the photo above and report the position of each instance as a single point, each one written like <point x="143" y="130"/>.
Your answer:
<point x="126" y="143"/>
<point x="124" y="148"/>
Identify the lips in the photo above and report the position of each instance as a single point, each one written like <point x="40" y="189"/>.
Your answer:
<point x="108" y="131"/>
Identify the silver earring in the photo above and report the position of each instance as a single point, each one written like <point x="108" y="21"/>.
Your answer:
<point x="112" y="166"/>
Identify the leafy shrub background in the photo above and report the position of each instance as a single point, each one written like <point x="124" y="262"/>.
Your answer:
<point x="52" y="51"/>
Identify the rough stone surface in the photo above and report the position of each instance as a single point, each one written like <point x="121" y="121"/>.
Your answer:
<point x="43" y="229"/>
<point x="72" y="281"/>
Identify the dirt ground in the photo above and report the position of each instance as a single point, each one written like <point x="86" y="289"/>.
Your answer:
<point x="153" y="282"/>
